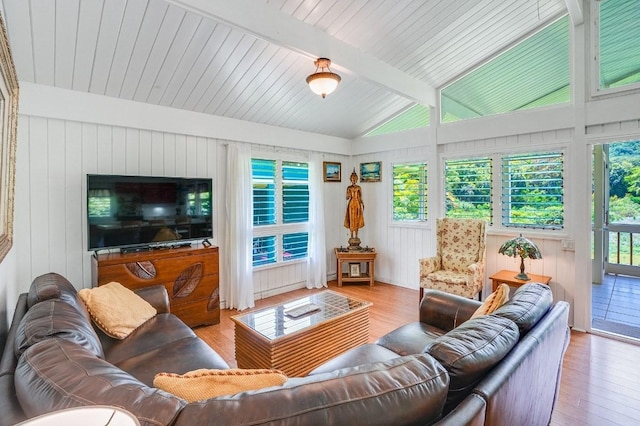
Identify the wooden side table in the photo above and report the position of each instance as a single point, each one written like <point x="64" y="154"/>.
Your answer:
<point x="508" y="277"/>
<point x="354" y="260"/>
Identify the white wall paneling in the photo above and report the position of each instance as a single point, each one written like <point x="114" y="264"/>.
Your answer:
<point x="55" y="154"/>
<point x="54" y="158"/>
<point x="46" y="101"/>
<point x="400" y="247"/>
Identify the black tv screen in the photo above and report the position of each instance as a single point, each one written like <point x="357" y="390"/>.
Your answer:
<point x="127" y="211"/>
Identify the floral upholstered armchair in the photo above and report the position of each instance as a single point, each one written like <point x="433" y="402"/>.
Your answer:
<point x="458" y="266"/>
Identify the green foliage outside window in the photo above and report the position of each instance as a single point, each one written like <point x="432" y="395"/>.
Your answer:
<point x="624" y="182"/>
<point x="410" y="192"/>
<point x="468" y="188"/>
<point x="532" y="190"/>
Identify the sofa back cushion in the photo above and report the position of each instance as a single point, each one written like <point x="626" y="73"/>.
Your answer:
<point x="407" y="390"/>
<point x="56" y="374"/>
<point x="469" y="351"/>
<point x="527" y="305"/>
<point x="55" y="318"/>
<point x="55" y="286"/>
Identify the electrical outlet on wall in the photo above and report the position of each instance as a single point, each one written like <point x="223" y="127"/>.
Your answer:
<point x="568" y="245"/>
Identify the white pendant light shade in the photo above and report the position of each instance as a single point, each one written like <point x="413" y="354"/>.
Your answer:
<point x="323" y="82"/>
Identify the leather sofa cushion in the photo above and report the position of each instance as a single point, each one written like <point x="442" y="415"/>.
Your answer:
<point x="56" y="374"/>
<point x="364" y="354"/>
<point x="179" y="357"/>
<point x="527" y="305"/>
<point x="55" y="286"/>
<point x="415" y="386"/>
<point x="159" y="331"/>
<point x="410" y="338"/>
<point x="55" y="318"/>
<point x="471" y="350"/>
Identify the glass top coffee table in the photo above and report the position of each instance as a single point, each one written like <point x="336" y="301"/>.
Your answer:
<point x="298" y="335"/>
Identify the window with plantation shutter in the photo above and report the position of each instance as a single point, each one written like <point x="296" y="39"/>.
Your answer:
<point x="280" y="210"/>
<point x="532" y="190"/>
<point x="295" y="192"/>
<point x="264" y="191"/>
<point x="264" y="250"/>
<point x="410" y="192"/>
<point x="468" y="188"/>
<point x="295" y="246"/>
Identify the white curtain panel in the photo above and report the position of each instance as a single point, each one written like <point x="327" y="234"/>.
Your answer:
<point x="317" y="254"/>
<point x="237" y="288"/>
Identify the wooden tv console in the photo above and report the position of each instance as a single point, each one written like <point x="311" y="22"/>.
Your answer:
<point x="190" y="275"/>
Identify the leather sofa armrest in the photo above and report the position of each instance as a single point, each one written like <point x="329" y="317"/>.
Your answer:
<point x="446" y="311"/>
<point x="157" y="296"/>
<point x="9" y="405"/>
<point x="470" y="412"/>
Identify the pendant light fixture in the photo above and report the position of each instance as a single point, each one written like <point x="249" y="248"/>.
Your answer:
<point x="323" y="82"/>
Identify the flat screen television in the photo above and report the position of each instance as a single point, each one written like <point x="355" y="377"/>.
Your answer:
<point x="129" y="212"/>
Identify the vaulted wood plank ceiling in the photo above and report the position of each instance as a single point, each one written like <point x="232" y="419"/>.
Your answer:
<point x="158" y="52"/>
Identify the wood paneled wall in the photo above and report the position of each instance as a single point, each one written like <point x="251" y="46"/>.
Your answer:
<point x="54" y="157"/>
<point x="400" y="247"/>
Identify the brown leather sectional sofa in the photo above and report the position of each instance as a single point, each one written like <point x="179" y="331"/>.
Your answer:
<point x="441" y="370"/>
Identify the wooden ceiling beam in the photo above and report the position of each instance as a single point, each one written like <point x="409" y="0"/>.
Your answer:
<point x="270" y="24"/>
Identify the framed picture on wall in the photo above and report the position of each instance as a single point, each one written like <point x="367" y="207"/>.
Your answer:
<point x="370" y="172"/>
<point x="8" y="135"/>
<point x="332" y="171"/>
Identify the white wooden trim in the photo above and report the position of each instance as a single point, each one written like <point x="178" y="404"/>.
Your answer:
<point x="50" y="102"/>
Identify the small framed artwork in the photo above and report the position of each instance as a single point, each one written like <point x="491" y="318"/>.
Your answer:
<point x="370" y="172"/>
<point x="354" y="270"/>
<point x="332" y="171"/>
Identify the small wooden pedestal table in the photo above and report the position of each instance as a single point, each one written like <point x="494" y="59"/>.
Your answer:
<point x="508" y="277"/>
<point x="272" y="338"/>
<point x="354" y="259"/>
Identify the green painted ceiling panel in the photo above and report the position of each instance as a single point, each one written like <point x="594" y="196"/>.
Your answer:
<point x="415" y="117"/>
<point x="619" y="42"/>
<point x="533" y="73"/>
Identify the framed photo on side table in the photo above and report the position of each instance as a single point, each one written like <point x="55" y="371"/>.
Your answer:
<point x="354" y="270"/>
<point x="332" y="171"/>
<point x="370" y="172"/>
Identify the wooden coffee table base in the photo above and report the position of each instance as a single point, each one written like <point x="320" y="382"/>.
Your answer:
<point x="297" y="354"/>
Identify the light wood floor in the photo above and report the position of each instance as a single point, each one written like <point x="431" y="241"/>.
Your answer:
<point x="600" y="376"/>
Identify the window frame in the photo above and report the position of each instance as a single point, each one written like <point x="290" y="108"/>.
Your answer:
<point x="496" y="178"/>
<point x="424" y="204"/>
<point x="502" y="195"/>
<point x="492" y="183"/>
<point x="279" y="229"/>
<point x="596" y="90"/>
